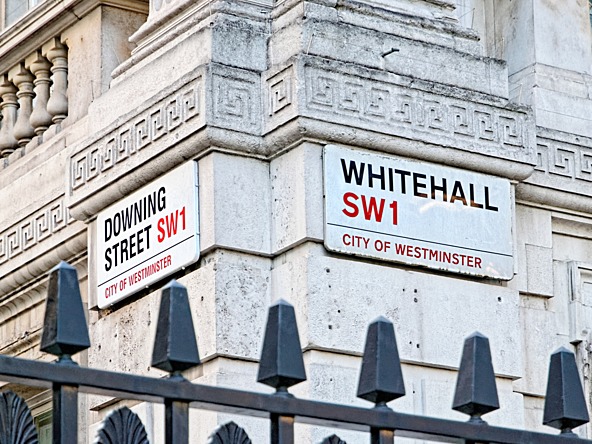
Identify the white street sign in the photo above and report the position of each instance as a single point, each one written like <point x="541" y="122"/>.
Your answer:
<point x="148" y="235"/>
<point x="395" y="209"/>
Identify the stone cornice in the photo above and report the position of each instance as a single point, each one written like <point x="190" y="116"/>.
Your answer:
<point x="311" y="98"/>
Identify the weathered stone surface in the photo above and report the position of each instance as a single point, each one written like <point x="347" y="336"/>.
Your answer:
<point x="297" y="197"/>
<point x="234" y="203"/>
<point x="336" y="297"/>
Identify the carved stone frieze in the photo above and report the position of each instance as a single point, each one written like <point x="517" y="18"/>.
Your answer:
<point x="125" y="140"/>
<point x="378" y="101"/>
<point x="33" y="229"/>
<point x="214" y="95"/>
<point x="563" y="171"/>
<point x="310" y="97"/>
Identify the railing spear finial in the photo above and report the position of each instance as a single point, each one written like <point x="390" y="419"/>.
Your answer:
<point x="565" y="406"/>
<point x="175" y="346"/>
<point x="476" y="392"/>
<point x="64" y="328"/>
<point x="381" y="378"/>
<point x="281" y="364"/>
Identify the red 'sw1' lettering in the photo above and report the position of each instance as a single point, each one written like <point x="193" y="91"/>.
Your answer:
<point x="372" y="208"/>
<point x="167" y="226"/>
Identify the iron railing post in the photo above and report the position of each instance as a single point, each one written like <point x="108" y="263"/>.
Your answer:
<point x="177" y="422"/>
<point x="381" y="378"/>
<point x="282" y="429"/>
<point x="64" y="333"/>
<point x="381" y="436"/>
<point x="65" y="414"/>
<point x="281" y="364"/>
<point x="175" y="350"/>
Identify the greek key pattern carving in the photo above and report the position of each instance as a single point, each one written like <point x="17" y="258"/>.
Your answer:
<point x="562" y="159"/>
<point x="372" y="101"/>
<point x="235" y="102"/>
<point x="280" y="90"/>
<point x="34" y="229"/>
<point x="136" y="134"/>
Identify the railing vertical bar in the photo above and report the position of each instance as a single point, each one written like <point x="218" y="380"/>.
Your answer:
<point x="177" y="422"/>
<point x="65" y="414"/>
<point x="282" y="429"/>
<point x="381" y="436"/>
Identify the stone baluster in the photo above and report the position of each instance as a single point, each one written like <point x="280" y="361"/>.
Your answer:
<point x="23" y="80"/>
<point x="8" y="107"/>
<point x="39" y="66"/>
<point x="57" y="55"/>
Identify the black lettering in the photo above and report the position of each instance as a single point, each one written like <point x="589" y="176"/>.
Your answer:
<point x="403" y="175"/>
<point x="108" y="229"/>
<point x="123" y="250"/>
<point x="417" y="185"/>
<point x="116" y="224"/>
<point x="442" y="188"/>
<point x="472" y="197"/>
<point x="151" y="204"/>
<point x="108" y="259"/>
<point x="458" y="193"/>
<point x="138" y="216"/>
<point x="126" y="215"/>
<point x="353" y="171"/>
<point x="372" y="176"/>
<point x="147" y="231"/>
<point x="161" y="199"/>
<point x="115" y="256"/>
<point x="140" y="238"/>
<point x="488" y="206"/>
<point x="132" y="245"/>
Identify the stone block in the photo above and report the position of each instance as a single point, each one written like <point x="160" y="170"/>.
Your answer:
<point x="234" y="195"/>
<point x="336" y="297"/>
<point x="539" y="270"/>
<point x="541" y="337"/>
<point x="533" y="226"/>
<point x="296" y="197"/>
<point x="230" y="294"/>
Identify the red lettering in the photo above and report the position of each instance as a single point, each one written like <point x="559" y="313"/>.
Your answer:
<point x="393" y="206"/>
<point x="371" y="208"/>
<point x="347" y="197"/>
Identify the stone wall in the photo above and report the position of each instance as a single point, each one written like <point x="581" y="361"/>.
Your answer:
<point x="253" y="91"/>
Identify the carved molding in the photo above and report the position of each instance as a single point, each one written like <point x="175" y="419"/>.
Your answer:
<point x="563" y="171"/>
<point x="122" y="426"/>
<point x="374" y="100"/>
<point x="236" y="100"/>
<point x="136" y="134"/>
<point x="16" y="422"/>
<point x="34" y="229"/>
<point x="229" y="433"/>
<point x="564" y="161"/>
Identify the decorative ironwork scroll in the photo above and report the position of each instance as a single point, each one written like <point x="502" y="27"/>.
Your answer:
<point x="333" y="439"/>
<point x="123" y="427"/>
<point x="229" y="433"/>
<point x="16" y="422"/>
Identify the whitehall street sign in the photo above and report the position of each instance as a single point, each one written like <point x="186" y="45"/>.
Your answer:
<point x="148" y="235"/>
<point x="394" y="209"/>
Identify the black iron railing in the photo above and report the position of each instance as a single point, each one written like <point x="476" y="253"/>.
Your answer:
<point x="281" y="366"/>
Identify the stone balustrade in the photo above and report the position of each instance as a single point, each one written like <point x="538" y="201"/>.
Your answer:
<point x="34" y="96"/>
